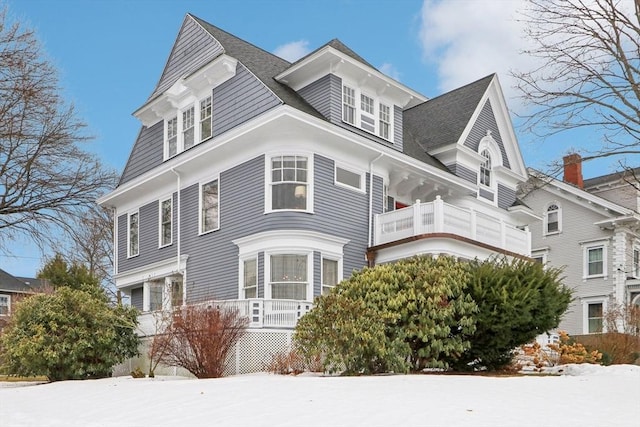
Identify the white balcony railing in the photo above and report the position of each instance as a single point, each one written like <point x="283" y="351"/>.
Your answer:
<point x="441" y="217"/>
<point x="262" y="313"/>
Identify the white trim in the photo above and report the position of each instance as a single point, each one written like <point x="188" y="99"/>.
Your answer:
<point x="545" y="219"/>
<point x="267" y="269"/>
<point x="269" y="176"/>
<point x="290" y="239"/>
<point x="541" y="253"/>
<point x="200" y="218"/>
<point x="360" y="92"/>
<point x="242" y="260"/>
<point x="152" y="271"/>
<point x="328" y="257"/>
<point x="160" y="231"/>
<point x="586" y="247"/>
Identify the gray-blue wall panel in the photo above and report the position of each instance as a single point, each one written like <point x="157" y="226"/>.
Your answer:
<point x="136" y="298"/>
<point x="486" y="121"/>
<point x="146" y="154"/>
<point x="506" y="196"/>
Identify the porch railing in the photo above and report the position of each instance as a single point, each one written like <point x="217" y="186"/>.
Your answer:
<point x="441" y="217"/>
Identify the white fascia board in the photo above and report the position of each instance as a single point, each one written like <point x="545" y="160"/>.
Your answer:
<point x="583" y="197"/>
<point x="179" y="162"/>
<point x="301" y="73"/>
<point x="290" y="240"/>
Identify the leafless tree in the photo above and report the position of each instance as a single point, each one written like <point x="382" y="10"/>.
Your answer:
<point x="47" y="176"/>
<point x="589" y="72"/>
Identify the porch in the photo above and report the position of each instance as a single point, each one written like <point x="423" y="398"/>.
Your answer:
<point x="441" y="220"/>
<point x="262" y="314"/>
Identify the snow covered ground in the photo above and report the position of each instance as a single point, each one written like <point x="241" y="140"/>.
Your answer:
<point x="584" y="395"/>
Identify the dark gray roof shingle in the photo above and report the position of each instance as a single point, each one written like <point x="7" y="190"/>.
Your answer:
<point x="13" y="284"/>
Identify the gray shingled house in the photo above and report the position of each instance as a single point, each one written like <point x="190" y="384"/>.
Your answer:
<point x="12" y="288"/>
<point x="260" y="183"/>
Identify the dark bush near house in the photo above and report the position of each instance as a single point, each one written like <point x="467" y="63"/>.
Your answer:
<point x="199" y="338"/>
<point x="409" y="315"/>
<point x="517" y="301"/>
<point x="67" y="334"/>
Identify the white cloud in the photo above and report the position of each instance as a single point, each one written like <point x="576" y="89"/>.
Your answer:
<point x="390" y="70"/>
<point x="469" y="39"/>
<point x="292" y="51"/>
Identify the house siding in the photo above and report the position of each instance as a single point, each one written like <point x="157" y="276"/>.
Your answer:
<point x="240" y="99"/>
<point x="486" y="121"/>
<point x="212" y="266"/>
<point x="463" y="172"/>
<point x="147" y="152"/>
<point x="194" y="48"/>
<point x="320" y="96"/>
<point x="486" y="194"/>
<point x="398" y="142"/>
<point x="566" y="252"/>
<point x="136" y="298"/>
<point x="506" y="196"/>
<point x="148" y="247"/>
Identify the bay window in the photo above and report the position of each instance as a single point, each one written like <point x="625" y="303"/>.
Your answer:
<point x="288" y="278"/>
<point x="329" y="275"/>
<point x="250" y="278"/>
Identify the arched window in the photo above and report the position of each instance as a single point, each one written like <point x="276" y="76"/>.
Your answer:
<point x="485" y="169"/>
<point x="552" y="219"/>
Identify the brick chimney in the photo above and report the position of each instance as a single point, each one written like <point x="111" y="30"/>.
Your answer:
<point x="573" y="169"/>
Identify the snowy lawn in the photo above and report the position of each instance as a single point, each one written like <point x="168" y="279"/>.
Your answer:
<point x="584" y="396"/>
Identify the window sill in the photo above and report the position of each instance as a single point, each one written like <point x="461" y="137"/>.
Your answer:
<point x="552" y="233"/>
<point x="133" y="256"/>
<point x="202" y="233"/>
<point x="288" y="210"/>
<point x="165" y="246"/>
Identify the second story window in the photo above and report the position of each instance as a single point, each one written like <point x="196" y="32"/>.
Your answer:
<point x="209" y="207"/>
<point x="133" y="234"/>
<point x="187" y="128"/>
<point x="166" y="217"/>
<point x="595" y="261"/>
<point x="289" y="183"/>
<point x="205" y="119"/>
<point x="348" y="105"/>
<point x="172" y="137"/>
<point x="485" y="169"/>
<point x="636" y="263"/>
<point x="385" y="121"/>
<point x="552" y="219"/>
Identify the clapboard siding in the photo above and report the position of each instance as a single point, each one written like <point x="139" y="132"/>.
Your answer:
<point x="506" y="196"/>
<point x="486" y="121"/>
<point x="213" y="258"/>
<point x="486" y="194"/>
<point x="194" y="48"/>
<point x="146" y="154"/>
<point x="136" y="298"/>
<point x="463" y="172"/>
<point x="397" y="128"/>
<point x="148" y="250"/>
<point x="317" y="273"/>
<point x="318" y="95"/>
<point x="239" y="99"/>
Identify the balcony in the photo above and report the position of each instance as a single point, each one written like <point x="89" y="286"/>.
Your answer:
<point x="438" y="219"/>
<point x="262" y="313"/>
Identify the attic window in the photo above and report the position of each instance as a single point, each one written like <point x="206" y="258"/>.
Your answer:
<point x="485" y="169"/>
<point x="370" y="114"/>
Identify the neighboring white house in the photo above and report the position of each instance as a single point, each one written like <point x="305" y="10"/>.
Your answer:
<point x="260" y="183"/>
<point x="590" y="228"/>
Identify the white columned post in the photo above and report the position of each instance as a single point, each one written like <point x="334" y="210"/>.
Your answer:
<point x="438" y="215"/>
<point x="417" y="223"/>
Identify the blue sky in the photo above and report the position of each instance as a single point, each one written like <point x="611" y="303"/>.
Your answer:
<point x="111" y="53"/>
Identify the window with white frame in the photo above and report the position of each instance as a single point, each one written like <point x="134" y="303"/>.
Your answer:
<point x="289" y="183"/>
<point x="288" y="278"/>
<point x="595" y="317"/>
<point x="166" y="221"/>
<point x="205" y="119"/>
<point x="552" y="219"/>
<point x="348" y="178"/>
<point x="385" y="121"/>
<point x="172" y="136"/>
<point x="209" y="207"/>
<point x="329" y="275"/>
<point x="485" y="168"/>
<point x="176" y="292"/>
<point x="250" y="278"/>
<point x="188" y="133"/>
<point x="636" y="263"/>
<point x="595" y="261"/>
<point x="156" y="295"/>
<point x="349" y="105"/>
<point x="367" y="113"/>
<point x="5" y="305"/>
<point x="133" y="235"/>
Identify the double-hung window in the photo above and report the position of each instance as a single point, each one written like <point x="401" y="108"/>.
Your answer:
<point x="289" y="276"/>
<point x="636" y="263"/>
<point x="329" y="275"/>
<point x="133" y="235"/>
<point x="385" y="121"/>
<point x="595" y="261"/>
<point x="349" y="105"/>
<point x="205" y="119"/>
<point x="188" y="131"/>
<point x="250" y="278"/>
<point x="166" y="220"/>
<point x="209" y="206"/>
<point x="289" y="183"/>
<point x="552" y="219"/>
<point x="595" y="317"/>
<point x="172" y="136"/>
<point x="367" y="117"/>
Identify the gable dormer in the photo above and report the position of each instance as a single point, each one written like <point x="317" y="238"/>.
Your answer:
<point x="351" y="93"/>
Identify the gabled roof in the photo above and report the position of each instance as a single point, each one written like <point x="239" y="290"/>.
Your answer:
<point x="442" y="120"/>
<point x="612" y="177"/>
<point x="9" y="283"/>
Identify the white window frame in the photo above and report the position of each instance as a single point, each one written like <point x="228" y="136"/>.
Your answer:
<point x="486" y="169"/>
<point x="129" y="215"/>
<point x="362" y="176"/>
<point x="202" y="118"/>
<point x="309" y="270"/>
<point x="635" y="261"/>
<point x="161" y="243"/>
<point x="586" y="302"/>
<point x="243" y="287"/>
<point x="189" y="111"/>
<point x="190" y="103"/>
<point x="387" y="122"/>
<point x="541" y="253"/>
<point x="268" y="208"/>
<point x="201" y="229"/>
<point x="358" y="111"/>
<point x="338" y="261"/>
<point x="586" y="248"/>
<point x="545" y="221"/>
<point x="167" y="136"/>
<point x="8" y="305"/>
